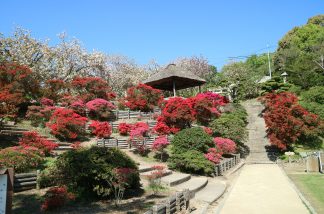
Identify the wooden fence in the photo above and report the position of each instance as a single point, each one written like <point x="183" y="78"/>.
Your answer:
<point x="124" y="143"/>
<point x="227" y="164"/>
<point x="128" y="114"/>
<point x="25" y="181"/>
<point x="175" y="204"/>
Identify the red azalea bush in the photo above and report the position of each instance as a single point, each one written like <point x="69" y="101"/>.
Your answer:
<point x="206" y="106"/>
<point x="100" y="108"/>
<point x="56" y="197"/>
<point x="213" y="155"/>
<point x="54" y="89"/>
<point x="124" y="128"/>
<point x="286" y="120"/>
<point x="17" y="85"/>
<point x="177" y="113"/>
<point x="33" y="139"/>
<point x="143" y="97"/>
<point x="22" y="159"/>
<point x="100" y="129"/>
<point x="225" y="145"/>
<point x="89" y="88"/>
<point x="161" y="128"/>
<point x="66" y="124"/>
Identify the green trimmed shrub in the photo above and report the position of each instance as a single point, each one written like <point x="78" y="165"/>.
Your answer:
<point x="188" y="149"/>
<point x="313" y="100"/>
<point x="230" y="126"/>
<point x="90" y="171"/>
<point x="191" y="161"/>
<point x="191" y="139"/>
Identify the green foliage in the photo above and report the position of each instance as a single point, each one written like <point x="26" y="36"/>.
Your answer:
<point x="89" y="171"/>
<point x="191" y="139"/>
<point x="191" y="161"/>
<point x="275" y="84"/>
<point x="187" y="151"/>
<point x="313" y="100"/>
<point x="299" y="54"/>
<point x="230" y="125"/>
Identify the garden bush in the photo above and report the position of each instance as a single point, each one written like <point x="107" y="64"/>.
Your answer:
<point x="288" y="122"/>
<point x="143" y="97"/>
<point x="39" y="115"/>
<point x="54" y="89"/>
<point x="17" y="86"/>
<point x="78" y="107"/>
<point x="124" y="128"/>
<point x="22" y="159"/>
<point x="214" y="155"/>
<point x="56" y="197"/>
<point x="191" y="161"/>
<point x="226" y="146"/>
<point x="100" y="129"/>
<point x="191" y="139"/>
<point x="33" y="139"/>
<point x="206" y="106"/>
<point x="160" y="144"/>
<point x="100" y="109"/>
<point x="89" y="88"/>
<point x="65" y="124"/>
<point x="230" y="126"/>
<point x="313" y="100"/>
<point x="97" y="174"/>
<point x="177" y="113"/>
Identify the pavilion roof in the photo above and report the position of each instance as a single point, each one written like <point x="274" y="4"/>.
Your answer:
<point x="172" y="73"/>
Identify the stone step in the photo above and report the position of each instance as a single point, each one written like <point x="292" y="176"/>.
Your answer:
<point x="63" y="148"/>
<point x="212" y="191"/>
<point x="194" y="184"/>
<point x="175" y="178"/>
<point x="144" y="168"/>
<point x="148" y="173"/>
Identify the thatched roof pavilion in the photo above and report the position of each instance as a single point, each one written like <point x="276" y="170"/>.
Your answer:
<point x="173" y="78"/>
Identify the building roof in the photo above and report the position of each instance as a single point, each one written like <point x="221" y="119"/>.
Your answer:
<point x="182" y="78"/>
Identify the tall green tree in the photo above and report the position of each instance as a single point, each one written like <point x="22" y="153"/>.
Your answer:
<point x="301" y="54"/>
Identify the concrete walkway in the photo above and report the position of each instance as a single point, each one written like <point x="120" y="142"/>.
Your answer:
<point x="261" y="187"/>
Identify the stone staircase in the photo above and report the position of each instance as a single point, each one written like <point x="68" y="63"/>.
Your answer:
<point x="202" y="189"/>
<point x="14" y="130"/>
<point x="260" y="150"/>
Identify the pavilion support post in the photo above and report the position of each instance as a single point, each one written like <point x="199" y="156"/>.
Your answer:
<point x="174" y="90"/>
<point x="199" y="89"/>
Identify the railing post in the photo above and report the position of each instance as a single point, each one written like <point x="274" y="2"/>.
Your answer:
<point x="178" y="202"/>
<point x="37" y="179"/>
<point x="128" y="114"/>
<point x="167" y="206"/>
<point x="186" y="195"/>
<point x="155" y="209"/>
<point x="117" y="114"/>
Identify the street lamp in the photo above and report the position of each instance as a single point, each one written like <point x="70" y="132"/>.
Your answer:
<point x="284" y="76"/>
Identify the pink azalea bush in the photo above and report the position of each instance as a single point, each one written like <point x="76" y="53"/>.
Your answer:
<point x="213" y="155"/>
<point x="160" y="144"/>
<point x="227" y="146"/>
<point x="100" y="108"/>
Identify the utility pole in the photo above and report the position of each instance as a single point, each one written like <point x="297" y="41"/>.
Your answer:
<point x="269" y="62"/>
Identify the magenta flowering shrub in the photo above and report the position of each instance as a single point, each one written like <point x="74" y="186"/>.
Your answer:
<point x="213" y="155"/>
<point x="225" y="145"/>
<point x="46" y="102"/>
<point x="100" y="109"/>
<point x="139" y="129"/>
<point x="100" y="129"/>
<point x="160" y="144"/>
<point x="78" y="107"/>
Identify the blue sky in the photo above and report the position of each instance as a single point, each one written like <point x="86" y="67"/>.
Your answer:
<point x="162" y="30"/>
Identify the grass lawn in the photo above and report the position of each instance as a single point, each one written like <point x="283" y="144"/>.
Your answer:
<point x="312" y="187"/>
